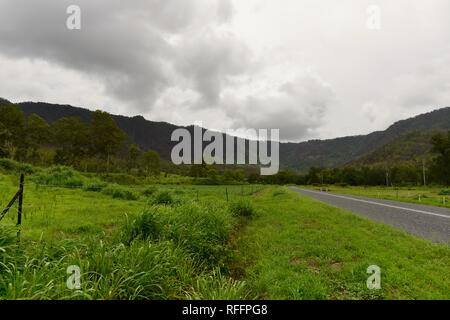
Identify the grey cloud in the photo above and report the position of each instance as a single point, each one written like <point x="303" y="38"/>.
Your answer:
<point x="297" y="109"/>
<point x="209" y="60"/>
<point x="179" y="59"/>
<point x="125" y="45"/>
<point x="225" y="10"/>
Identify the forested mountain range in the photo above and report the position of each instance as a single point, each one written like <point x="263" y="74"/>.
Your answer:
<point x="406" y="140"/>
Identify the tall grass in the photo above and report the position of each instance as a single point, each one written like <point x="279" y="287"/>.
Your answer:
<point x="242" y="208"/>
<point x="202" y="230"/>
<point x="119" y="192"/>
<point x="59" y="176"/>
<point x="163" y="197"/>
<point x="8" y="165"/>
<point x="166" y="252"/>
<point x="215" y="286"/>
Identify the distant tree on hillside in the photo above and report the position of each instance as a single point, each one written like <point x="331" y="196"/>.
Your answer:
<point x="441" y="164"/>
<point x="134" y="153"/>
<point x="152" y="162"/>
<point x="197" y="170"/>
<point x="106" y="136"/>
<point x="37" y="132"/>
<point x="70" y="135"/>
<point x="11" y="130"/>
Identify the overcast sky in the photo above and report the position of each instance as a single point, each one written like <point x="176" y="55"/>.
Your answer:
<point x="311" y="68"/>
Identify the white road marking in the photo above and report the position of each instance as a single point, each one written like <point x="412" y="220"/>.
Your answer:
<point x="379" y="204"/>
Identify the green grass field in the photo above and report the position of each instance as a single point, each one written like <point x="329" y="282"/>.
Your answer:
<point x="188" y="242"/>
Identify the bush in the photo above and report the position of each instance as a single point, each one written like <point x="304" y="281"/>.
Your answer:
<point x="279" y="192"/>
<point x="203" y="230"/>
<point x="149" y="191"/>
<point x="242" y="208"/>
<point x="120" y="178"/>
<point x="445" y="192"/>
<point x="118" y="192"/>
<point x="94" y="185"/>
<point x="163" y="197"/>
<point x="147" y="225"/>
<point x="9" y="165"/>
<point x="342" y="184"/>
<point x="59" y="176"/>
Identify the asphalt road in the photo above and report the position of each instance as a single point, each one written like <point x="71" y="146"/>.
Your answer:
<point x="429" y="222"/>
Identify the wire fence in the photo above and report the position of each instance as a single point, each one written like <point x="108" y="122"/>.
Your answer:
<point x="46" y="202"/>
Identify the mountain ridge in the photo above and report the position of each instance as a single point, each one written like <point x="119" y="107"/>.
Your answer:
<point x="299" y="156"/>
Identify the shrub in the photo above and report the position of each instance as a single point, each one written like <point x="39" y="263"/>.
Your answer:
<point x="163" y="197"/>
<point x="119" y="178"/>
<point x="94" y="185"/>
<point x="145" y="226"/>
<point x="445" y="192"/>
<point x="279" y="192"/>
<point x="203" y="230"/>
<point x="59" y="176"/>
<point x="118" y="192"/>
<point x="149" y="191"/>
<point x="242" y="208"/>
<point x="342" y="184"/>
<point x="9" y="165"/>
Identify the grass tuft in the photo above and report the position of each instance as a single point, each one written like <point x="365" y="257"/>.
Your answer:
<point x="242" y="208"/>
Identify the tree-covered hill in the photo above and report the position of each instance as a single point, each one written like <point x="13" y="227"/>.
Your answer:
<point x="363" y="149"/>
<point x="408" y="149"/>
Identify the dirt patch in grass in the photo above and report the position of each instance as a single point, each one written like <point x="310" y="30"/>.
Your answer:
<point x="336" y="266"/>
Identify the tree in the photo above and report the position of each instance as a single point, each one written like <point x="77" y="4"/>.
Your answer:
<point x="152" y="162"/>
<point x="314" y="175"/>
<point x="134" y="152"/>
<point x="106" y="136"/>
<point x="11" y="129"/>
<point x="37" y="133"/>
<point x="71" y="137"/>
<point x="441" y="164"/>
<point x="198" y="170"/>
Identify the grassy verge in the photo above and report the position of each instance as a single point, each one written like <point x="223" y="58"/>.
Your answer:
<point x="299" y="248"/>
<point x="130" y="242"/>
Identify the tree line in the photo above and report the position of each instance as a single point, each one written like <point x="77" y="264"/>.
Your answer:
<point x="97" y="146"/>
<point x="435" y="171"/>
<point x="101" y="146"/>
